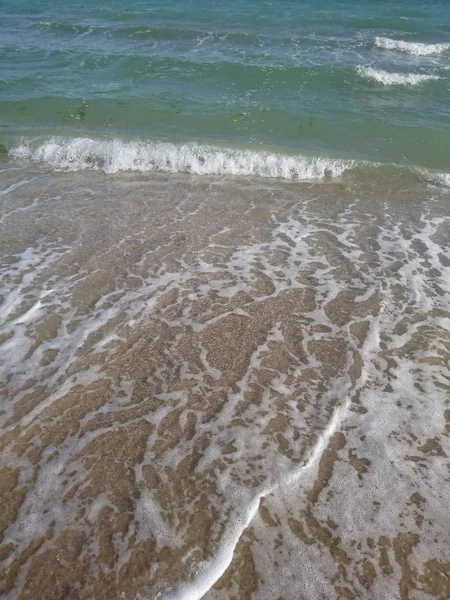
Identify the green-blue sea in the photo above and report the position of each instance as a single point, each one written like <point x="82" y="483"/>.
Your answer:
<point x="286" y="88"/>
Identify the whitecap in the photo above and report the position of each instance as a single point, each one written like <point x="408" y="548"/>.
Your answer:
<point x="111" y="156"/>
<point x="436" y="178"/>
<point x="416" y="48"/>
<point x="387" y="78"/>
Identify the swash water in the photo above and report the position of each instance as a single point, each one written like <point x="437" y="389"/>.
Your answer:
<point x="224" y="300"/>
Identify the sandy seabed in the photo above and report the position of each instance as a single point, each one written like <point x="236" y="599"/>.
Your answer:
<point x="223" y="388"/>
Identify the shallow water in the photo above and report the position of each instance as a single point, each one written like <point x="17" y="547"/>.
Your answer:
<point x="236" y="388"/>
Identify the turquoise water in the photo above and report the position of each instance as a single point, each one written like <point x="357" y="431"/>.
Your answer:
<point x="89" y="84"/>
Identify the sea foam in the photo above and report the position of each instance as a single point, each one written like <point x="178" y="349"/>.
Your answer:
<point x="416" y="48"/>
<point x="442" y="179"/>
<point x="387" y="78"/>
<point x="111" y="156"/>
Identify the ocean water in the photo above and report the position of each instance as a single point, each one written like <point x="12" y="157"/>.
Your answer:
<point x="224" y="300"/>
<point x="336" y="81"/>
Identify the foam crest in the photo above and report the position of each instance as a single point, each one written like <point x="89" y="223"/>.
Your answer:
<point x="111" y="156"/>
<point x="437" y="178"/>
<point x="415" y="48"/>
<point x="387" y="78"/>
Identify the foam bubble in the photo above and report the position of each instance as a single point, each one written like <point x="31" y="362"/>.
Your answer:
<point x="437" y="178"/>
<point x="111" y="156"/>
<point x="416" y="48"/>
<point x="387" y="78"/>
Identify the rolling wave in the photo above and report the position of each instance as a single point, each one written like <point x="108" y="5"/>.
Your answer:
<point x="148" y="32"/>
<point x="440" y="179"/>
<point x="57" y="27"/>
<point x="115" y="155"/>
<point x="416" y="48"/>
<point x="112" y="156"/>
<point x="387" y="78"/>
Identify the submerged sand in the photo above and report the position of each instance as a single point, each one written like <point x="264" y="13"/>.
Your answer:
<point x="223" y="388"/>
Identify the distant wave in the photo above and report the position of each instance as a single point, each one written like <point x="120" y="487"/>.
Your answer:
<point x="68" y="28"/>
<point x="111" y="156"/>
<point x="416" y="48"/>
<point x="387" y="78"/>
<point x="149" y="32"/>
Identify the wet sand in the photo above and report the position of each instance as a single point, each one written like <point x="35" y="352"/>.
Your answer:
<point x="223" y="388"/>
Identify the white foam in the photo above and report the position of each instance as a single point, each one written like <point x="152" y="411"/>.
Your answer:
<point x="416" y="48"/>
<point x="437" y="178"/>
<point x="370" y="506"/>
<point x="210" y="572"/>
<point x="294" y="241"/>
<point x="387" y="78"/>
<point x="111" y="156"/>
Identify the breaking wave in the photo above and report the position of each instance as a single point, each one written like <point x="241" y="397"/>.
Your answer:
<point x="111" y="156"/>
<point x="114" y="156"/>
<point x="387" y="78"/>
<point x="441" y="179"/>
<point x="416" y="48"/>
